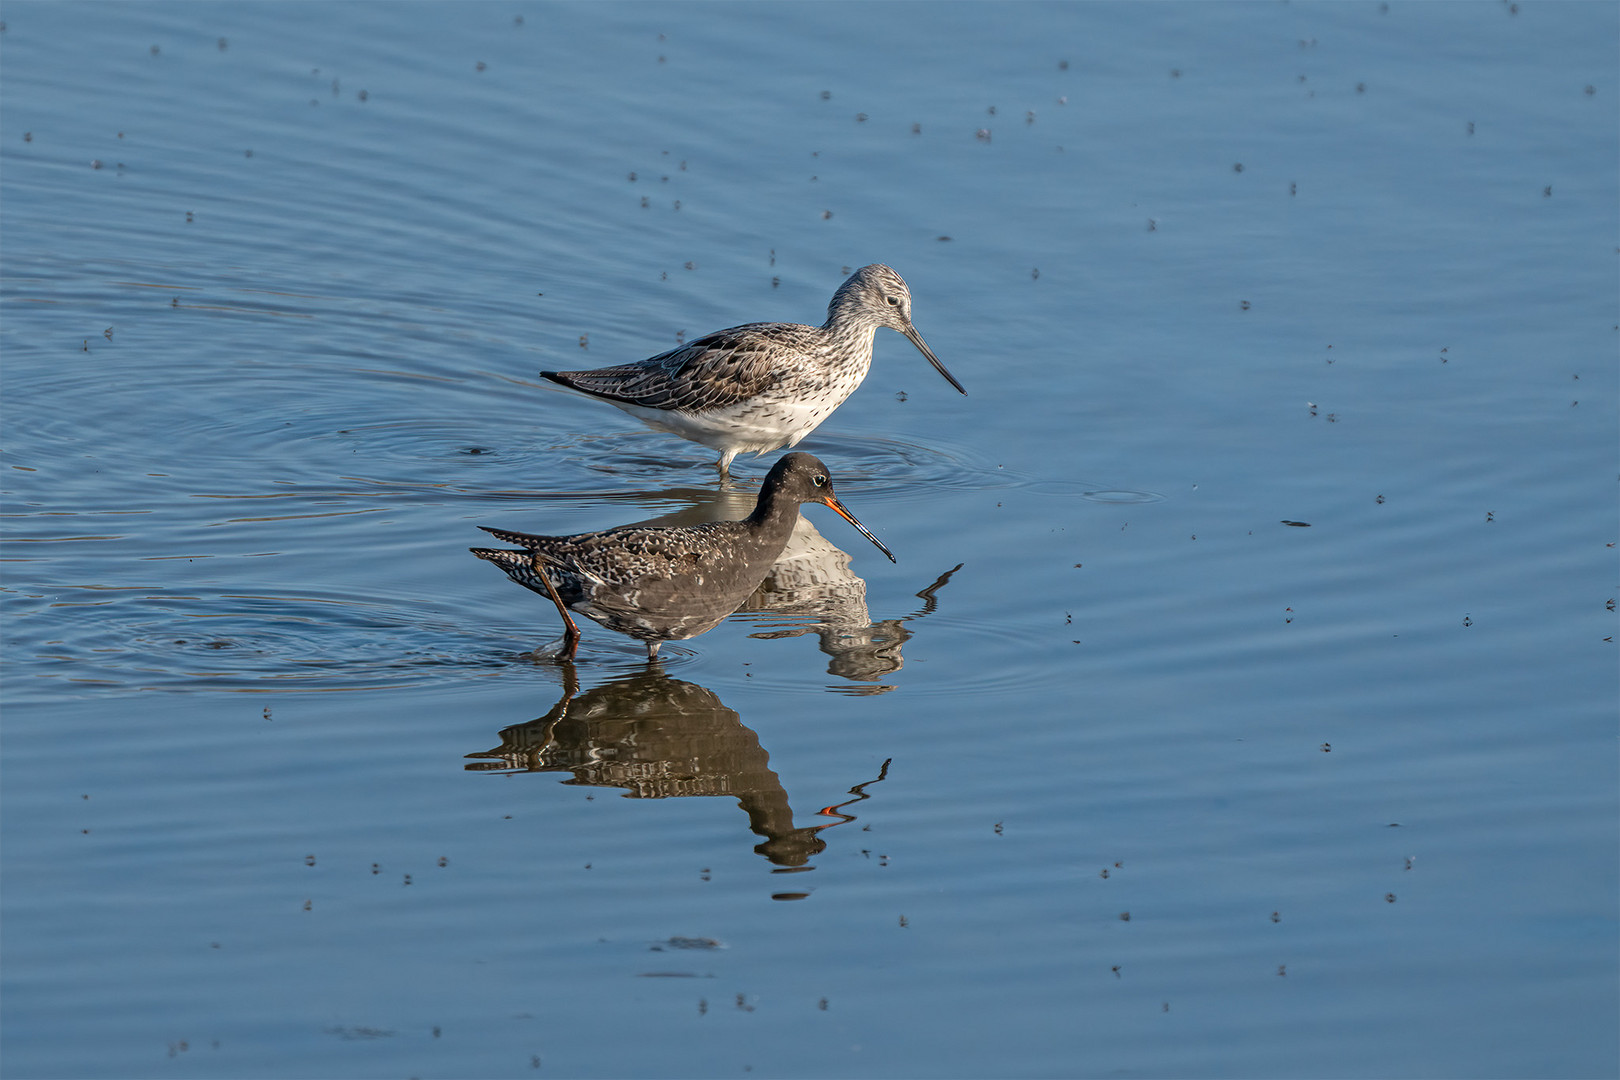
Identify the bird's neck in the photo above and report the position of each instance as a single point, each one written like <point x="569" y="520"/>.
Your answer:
<point x="853" y="322"/>
<point x="774" y="515"/>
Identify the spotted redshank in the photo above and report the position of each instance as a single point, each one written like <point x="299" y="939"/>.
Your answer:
<point x="668" y="583"/>
<point x="761" y="386"/>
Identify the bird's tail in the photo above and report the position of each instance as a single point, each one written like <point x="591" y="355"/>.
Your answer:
<point x="519" y="566"/>
<point x="528" y="540"/>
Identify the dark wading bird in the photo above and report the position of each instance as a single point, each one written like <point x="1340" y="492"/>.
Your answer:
<point x="761" y="386"/>
<point x="668" y="583"/>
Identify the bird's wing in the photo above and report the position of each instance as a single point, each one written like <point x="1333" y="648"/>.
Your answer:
<point x="623" y="553"/>
<point x="712" y="372"/>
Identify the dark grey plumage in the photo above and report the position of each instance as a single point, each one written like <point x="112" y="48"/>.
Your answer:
<point x="668" y="583"/>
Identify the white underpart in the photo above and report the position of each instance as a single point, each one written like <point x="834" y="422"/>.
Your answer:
<point x="756" y="426"/>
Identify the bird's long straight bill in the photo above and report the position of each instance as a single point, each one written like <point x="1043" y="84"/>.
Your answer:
<point x="838" y="508"/>
<point x="922" y="347"/>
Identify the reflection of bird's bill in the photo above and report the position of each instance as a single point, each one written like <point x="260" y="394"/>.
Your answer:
<point x="838" y="508"/>
<point x="922" y="347"/>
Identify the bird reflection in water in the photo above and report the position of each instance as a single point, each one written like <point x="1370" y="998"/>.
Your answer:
<point x="662" y="738"/>
<point x="811" y="590"/>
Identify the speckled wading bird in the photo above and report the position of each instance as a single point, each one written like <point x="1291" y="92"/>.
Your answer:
<point x="668" y="583"/>
<point x="761" y="386"/>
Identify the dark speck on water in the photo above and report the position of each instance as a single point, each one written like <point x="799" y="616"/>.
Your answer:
<point x="264" y="496"/>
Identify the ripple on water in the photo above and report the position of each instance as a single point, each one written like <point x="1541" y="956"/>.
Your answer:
<point x="1008" y="659"/>
<point x="901" y="656"/>
<point x="502" y="452"/>
<point x="146" y="639"/>
<point x="887" y="467"/>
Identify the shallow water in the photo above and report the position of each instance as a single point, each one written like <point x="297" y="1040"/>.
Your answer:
<point x="1242" y="702"/>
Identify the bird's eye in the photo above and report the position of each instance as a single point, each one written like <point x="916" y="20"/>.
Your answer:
<point x="819" y="480"/>
<point x="894" y="301"/>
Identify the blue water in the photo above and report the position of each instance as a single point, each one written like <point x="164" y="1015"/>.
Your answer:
<point x="1242" y="703"/>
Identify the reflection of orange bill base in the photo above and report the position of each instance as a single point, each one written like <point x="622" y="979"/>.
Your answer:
<point x="859" y="792"/>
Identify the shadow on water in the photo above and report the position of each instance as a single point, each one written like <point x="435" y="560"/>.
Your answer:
<point x="661" y="738"/>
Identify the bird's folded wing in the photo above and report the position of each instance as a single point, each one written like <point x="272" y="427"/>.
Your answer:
<point x="712" y="372"/>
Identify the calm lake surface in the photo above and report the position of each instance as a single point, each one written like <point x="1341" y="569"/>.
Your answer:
<point x="1243" y="702"/>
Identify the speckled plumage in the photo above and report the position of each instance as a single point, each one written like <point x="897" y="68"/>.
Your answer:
<point x="667" y="583"/>
<point x="761" y="386"/>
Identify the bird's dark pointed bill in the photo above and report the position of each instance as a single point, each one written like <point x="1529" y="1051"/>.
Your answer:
<point x="922" y="347"/>
<point x="838" y="508"/>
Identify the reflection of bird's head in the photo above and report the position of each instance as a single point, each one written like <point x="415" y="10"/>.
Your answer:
<point x="793" y="849"/>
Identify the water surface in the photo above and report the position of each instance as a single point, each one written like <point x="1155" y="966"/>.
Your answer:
<point x="1242" y="702"/>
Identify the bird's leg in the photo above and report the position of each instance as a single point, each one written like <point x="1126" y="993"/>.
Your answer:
<point x="570" y="632"/>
